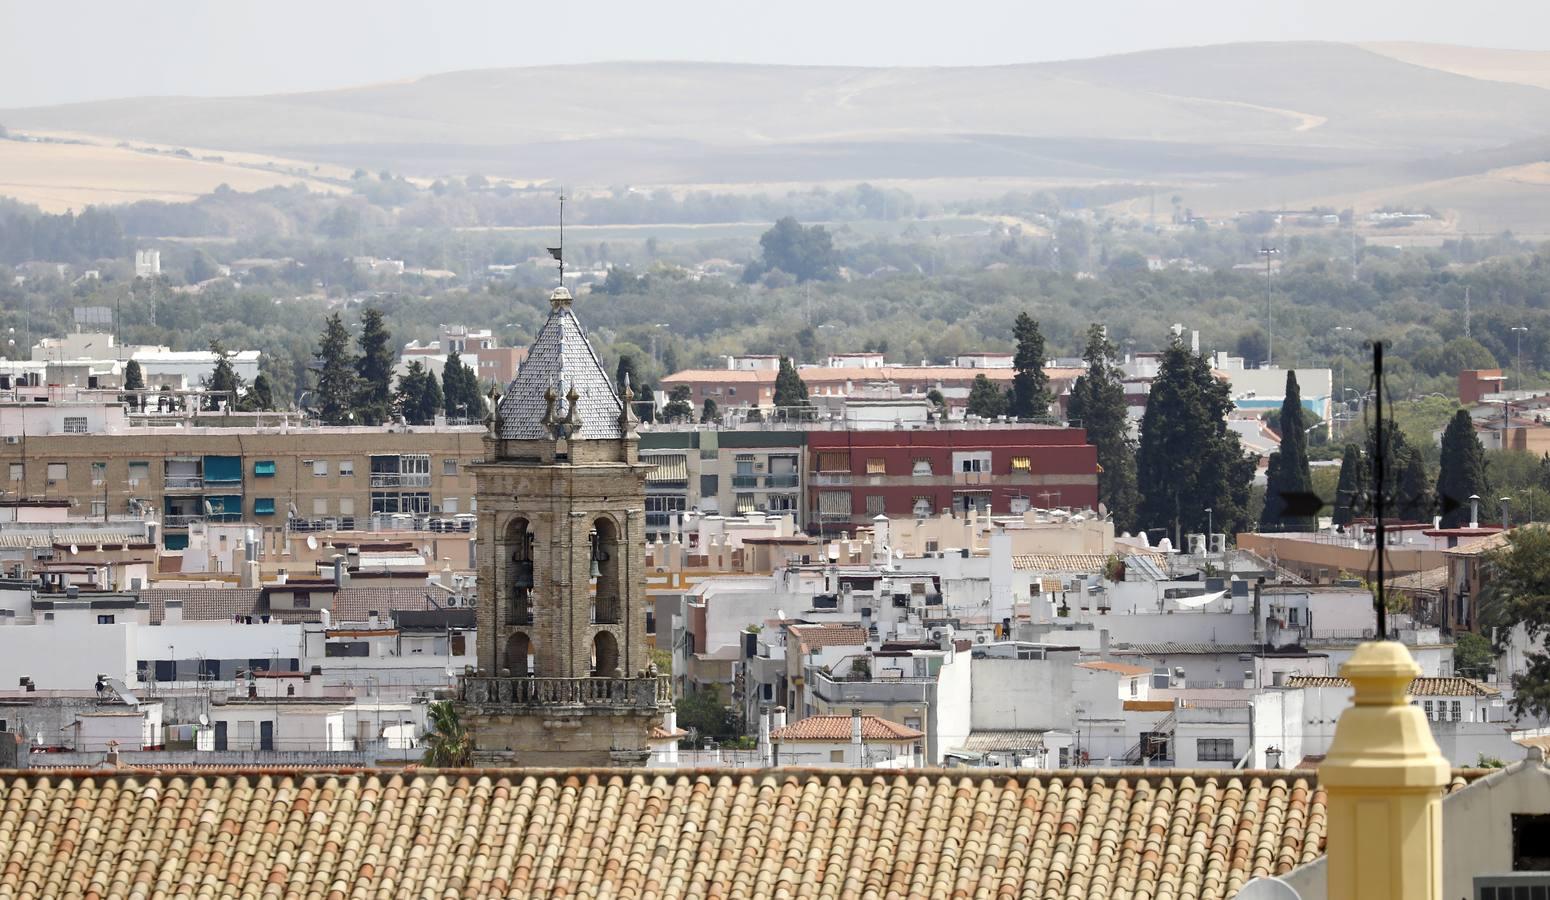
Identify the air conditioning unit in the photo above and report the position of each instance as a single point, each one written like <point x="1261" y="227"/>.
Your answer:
<point x="13" y="439"/>
<point x="982" y="638"/>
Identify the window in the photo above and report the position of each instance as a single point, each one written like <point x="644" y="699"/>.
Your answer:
<point x="836" y="756"/>
<point x="58" y="471"/>
<point x="347" y="506"/>
<point x="320" y="506"/>
<point x="1430" y="715"/>
<point x="139" y="471"/>
<point x="1214" y="750"/>
<point x="263" y="468"/>
<point x="834" y="503"/>
<point x="449" y="466"/>
<point x="75" y="424"/>
<point x="99" y="508"/>
<point x="104" y="620"/>
<point x="1065" y="757"/>
<point x="346" y="468"/>
<point x="1135" y="686"/>
<point x="921" y="507"/>
<point x="876" y="465"/>
<point x="710" y="486"/>
<point x="922" y="467"/>
<point x="1292" y="615"/>
<point x="1021" y="464"/>
<point x="1530" y="842"/>
<point x="99" y="472"/>
<point x="874" y="504"/>
<point x="1455" y="708"/>
<point x="320" y="467"/>
<point x="18" y="472"/>
<point x="744" y="463"/>
<point x="969" y="465"/>
<point x="263" y="506"/>
<point x="449" y="505"/>
<point x="831" y="461"/>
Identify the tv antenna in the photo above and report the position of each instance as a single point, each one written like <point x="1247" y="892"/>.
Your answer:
<point x="559" y="252"/>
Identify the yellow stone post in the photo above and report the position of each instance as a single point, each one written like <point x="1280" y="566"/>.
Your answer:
<point x="1383" y="778"/>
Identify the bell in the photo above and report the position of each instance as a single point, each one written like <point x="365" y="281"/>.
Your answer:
<point x="596" y="572"/>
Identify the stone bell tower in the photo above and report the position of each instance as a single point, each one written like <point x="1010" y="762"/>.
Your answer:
<point x="564" y="676"/>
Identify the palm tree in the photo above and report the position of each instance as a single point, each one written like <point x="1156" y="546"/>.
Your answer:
<point x="448" y="745"/>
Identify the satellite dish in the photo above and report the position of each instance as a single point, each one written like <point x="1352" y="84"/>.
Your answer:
<point x="312" y="542"/>
<point x="74" y="549"/>
<point x="204" y="719"/>
<point x="425" y="551"/>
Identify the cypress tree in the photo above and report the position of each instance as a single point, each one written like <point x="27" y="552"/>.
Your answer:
<point x="374" y="371"/>
<point x="335" y="374"/>
<point x="790" y="389"/>
<point x="1288" y="474"/>
<point x="1189" y="460"/>
<point x="134" y="378"/>
<point x="223" y="380"/>
<point x="1415" y="496"/>
<point x="1097" y="401"/>
<point x="1351" y="490"/>
<point x="1462" y="472"/>
<point x="1030" y="386"/>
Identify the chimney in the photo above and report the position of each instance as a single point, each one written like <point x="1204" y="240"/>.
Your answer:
<point x="340" y="576"/>
<point x="764" y="734"/>
<point x="1103" y="644"/>
<point x="250" y="574"/>
<point x="855" y="734"/>
<point x="778" y="719"/>
<point x="1474" y="510"/>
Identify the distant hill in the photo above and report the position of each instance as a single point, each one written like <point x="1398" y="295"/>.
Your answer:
<point x="1218" y="115"/>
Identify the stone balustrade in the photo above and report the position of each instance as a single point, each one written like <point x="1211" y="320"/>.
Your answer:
<point x="648" y="692"/>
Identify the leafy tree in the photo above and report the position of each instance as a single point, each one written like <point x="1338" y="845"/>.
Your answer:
<point x="1030" y="386"/>
<point x="621" y="281"/>
<point x="678" y="408"/>
<point x="1253" y="347"/>
<point x="1462" y="472"/>
<point x="1351" y="491"/>
<point x="419" y="395"/>
<point x="335" y="376"/>
<point x="1098" y="401"/>
<point x="790" y="389"/>
<point x="1517" y="593"/>
<point x="374" y="371"/>
<point x="460" y="389"/>
<point x="260" y="396"/>
<point x="1189" y="460"/>
<point x="448" y="745"/>
<point x="709" y="413"/>
<point x="985" y="399"/>
<point x="223" y="385"/>
<point x="1472" y="654"/>
<point x="1288" y="477"/>
<point x="134" y="378"/>
<point x="805" y="253"/>
<point x="707" y="715"/>
<point x="937" y="400"/>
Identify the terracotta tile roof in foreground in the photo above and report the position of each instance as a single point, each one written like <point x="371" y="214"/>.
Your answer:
<point x="639" y="833"/>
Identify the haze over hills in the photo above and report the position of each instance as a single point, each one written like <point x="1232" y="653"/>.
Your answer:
<point x="1294" y="113"/>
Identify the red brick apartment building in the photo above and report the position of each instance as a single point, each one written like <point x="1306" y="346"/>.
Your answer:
<point x="1002" y="470"/>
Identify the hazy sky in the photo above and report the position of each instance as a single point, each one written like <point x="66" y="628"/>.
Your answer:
<point x="54" y="51"/>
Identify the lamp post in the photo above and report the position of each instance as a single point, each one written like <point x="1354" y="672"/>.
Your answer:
<point x="1270" y="326"/>
<point x="1210" y="530"/>
<point x="1520" y="330"/>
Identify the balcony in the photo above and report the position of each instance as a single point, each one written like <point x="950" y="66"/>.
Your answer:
<point x="788" y="480"/>
<point x="183" y="482"/>
<point x="180" y="521"/>
<point x="400" y="479"/>
<point x="745" y="481"/>
<point x="823" y="478"/>
<point x="649" y="693"/>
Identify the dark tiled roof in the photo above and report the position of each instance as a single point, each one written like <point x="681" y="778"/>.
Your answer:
<point x="205" y="604"/>
<point x="1421" y="687"/>
<point x="1183" y="649"/>
<point x="561" y="358"/>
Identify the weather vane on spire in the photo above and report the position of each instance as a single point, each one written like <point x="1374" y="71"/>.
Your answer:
<point x="559" y="252"/>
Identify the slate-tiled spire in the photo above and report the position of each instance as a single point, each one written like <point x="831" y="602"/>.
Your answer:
<point x="561" y="362"/>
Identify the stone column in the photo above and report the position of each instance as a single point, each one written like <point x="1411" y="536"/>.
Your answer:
<point x="1384" y="777"/>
